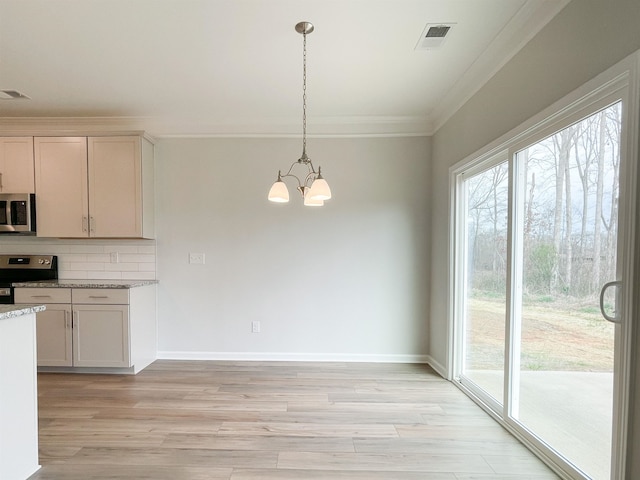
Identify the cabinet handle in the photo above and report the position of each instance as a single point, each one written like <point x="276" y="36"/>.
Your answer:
<point x="98" y="296"/>
<point x="92" y="224"/>
<point x="40" y="296"/>
<point x="1" y="187"/>
<point x="74" y="323"/>
<point x="84" y="223"/>
<point x="66" y="320"/>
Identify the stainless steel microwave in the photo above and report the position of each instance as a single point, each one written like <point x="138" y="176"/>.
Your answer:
<point x="18" y="213"/>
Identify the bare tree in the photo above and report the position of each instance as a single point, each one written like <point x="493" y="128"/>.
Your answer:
<point x="487" y="207"/>
<point x="597" y="241"/>
<point x="585" y="151"/>
<point x="562" y="143"/>
<point x="499" y="175"/>
<point x="570" y="210"/>
<point x="614" y="124"/>
<point x="529" y="200"/>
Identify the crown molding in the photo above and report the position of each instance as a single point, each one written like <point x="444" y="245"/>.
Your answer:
<point x="522" y="27"/>
<point x="156" y="127"/>
<point x="317" y="127"/>
<point x="60" y="126"/>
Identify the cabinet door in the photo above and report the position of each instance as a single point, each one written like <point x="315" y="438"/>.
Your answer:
<point x="53" y="331"/>
<point x="16" y="165"/>
<point x="115" y="186"/>
<point x="101" y="336"/>
<point x="61" y="186"/>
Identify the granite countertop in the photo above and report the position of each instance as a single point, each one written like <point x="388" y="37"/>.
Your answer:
<point x="10" y="311"/>
<point x="84" y="283"/>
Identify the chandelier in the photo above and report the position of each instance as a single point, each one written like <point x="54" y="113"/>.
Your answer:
<point x="313" y="188"/>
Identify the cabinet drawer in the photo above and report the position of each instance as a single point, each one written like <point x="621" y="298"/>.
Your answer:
<point x="101" y="296"/>
<point x="42" y="295"/>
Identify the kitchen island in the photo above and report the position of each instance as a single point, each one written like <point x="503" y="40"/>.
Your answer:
<point x="18" y="391"/>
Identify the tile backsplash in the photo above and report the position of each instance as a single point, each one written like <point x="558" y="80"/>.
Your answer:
<point x="91" y="259"/>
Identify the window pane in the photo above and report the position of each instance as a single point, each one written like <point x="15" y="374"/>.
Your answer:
<point x="485" y="296"/>
<point x="569" y="251"/>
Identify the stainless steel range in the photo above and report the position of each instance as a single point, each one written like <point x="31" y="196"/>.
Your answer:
<point x="24" y="268"/>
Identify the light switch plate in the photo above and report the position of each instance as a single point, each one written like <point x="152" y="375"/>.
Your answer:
<point x="196" y="258"/>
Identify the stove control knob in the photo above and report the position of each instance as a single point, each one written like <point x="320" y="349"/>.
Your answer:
<point x="47" y="261"/>
<point x="41" y="261"/>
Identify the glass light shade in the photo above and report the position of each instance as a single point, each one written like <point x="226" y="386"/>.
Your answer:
<point x="279" y="192"/>
<point x="320" y="190"/>
<point x="310" y="202"/>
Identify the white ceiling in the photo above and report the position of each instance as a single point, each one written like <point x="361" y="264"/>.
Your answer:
<point x="234" y="67"/>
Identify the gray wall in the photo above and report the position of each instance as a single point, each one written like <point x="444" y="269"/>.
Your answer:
<point x="348" y="280"/>
<point x="583" y="40"/>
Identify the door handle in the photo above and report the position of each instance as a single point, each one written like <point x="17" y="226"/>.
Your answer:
<point x="92" y="224"/>
<point x="605" y="287"/>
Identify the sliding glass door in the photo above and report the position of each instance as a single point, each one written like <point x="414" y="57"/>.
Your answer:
<point x="566" y="245"/>
<point x="537" y="257"/>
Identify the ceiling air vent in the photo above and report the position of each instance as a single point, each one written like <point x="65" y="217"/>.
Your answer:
<point x="434" y="35"/>
<point x="12" y="95"/>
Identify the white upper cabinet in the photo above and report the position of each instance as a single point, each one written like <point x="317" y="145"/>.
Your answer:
<point x="94" y="187"/>
<point x="115" y="187"/>
<point x="16" y="165"/>
<point x="61" y="187"/>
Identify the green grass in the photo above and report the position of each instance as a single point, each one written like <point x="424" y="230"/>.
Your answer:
<point x="589" y="309"/>
<point x="545" y="299"/>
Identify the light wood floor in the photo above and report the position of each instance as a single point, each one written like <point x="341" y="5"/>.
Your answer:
<point x="252" y="420"/>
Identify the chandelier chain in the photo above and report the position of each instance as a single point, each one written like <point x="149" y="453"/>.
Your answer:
<point x="304" y="95"/>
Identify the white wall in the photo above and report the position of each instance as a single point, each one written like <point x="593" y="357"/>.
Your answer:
<point x="583" y="40"/>
<point x="345" y="281"/>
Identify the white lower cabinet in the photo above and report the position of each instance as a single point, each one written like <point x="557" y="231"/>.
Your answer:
<point x="101" y="336"/>
<point x="97" y="328"/>
<point x="54" y="334"/>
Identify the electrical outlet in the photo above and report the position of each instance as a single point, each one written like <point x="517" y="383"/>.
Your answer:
<point x="196" y="258"/>
<point x="255" y="327"/>
<point x="115" y="258"/>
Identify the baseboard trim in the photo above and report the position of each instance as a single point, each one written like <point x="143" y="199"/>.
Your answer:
<point x="91" y="370"/>
<point x="292" y="357"/>
<point x="438" y="367"/>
